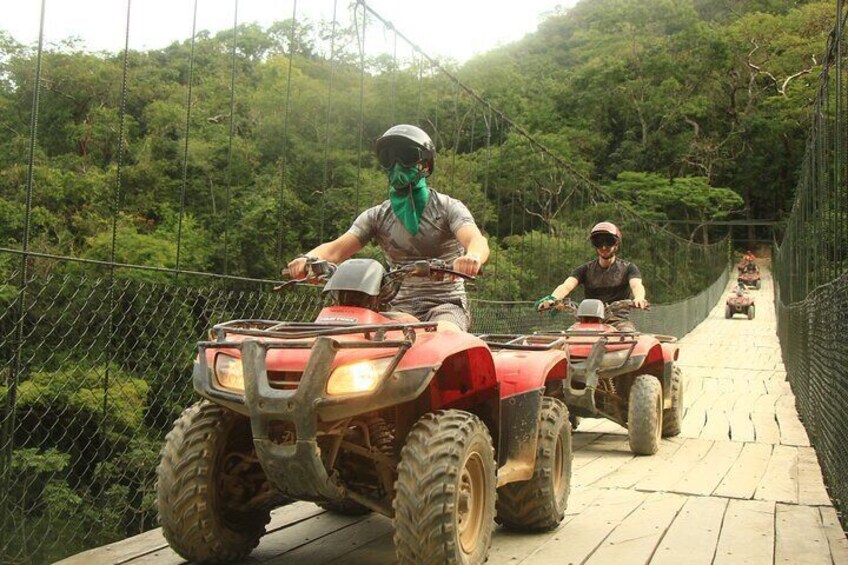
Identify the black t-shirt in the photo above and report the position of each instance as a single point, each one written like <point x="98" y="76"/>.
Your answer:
<point x="607" y="285"/>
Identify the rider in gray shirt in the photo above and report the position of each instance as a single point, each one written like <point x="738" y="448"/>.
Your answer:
<point x="415" y="223"/>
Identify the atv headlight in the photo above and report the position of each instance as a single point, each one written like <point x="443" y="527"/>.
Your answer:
<point x="357" y="378"/>
<point x="614" y="358"/>
<point x="229" y="372"/>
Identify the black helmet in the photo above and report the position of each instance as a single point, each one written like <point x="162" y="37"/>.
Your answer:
<point x="407" y="144"/>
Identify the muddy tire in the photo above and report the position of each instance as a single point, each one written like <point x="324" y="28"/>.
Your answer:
<point x="758" y="285"/>
<point x="672" y="417"/>
<point x="191" y="497"/>
<point x="644" y="415"/>
<point x="751" y="312"/>
<point x="539" y="503"/>
<point x="445" y="491"/>
<point x="728" y="312"/>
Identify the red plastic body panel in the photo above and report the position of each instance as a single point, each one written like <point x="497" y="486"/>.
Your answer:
<point x="523" y="371"/>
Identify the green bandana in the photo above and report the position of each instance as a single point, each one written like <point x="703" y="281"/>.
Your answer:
<point x="408" y="202"/>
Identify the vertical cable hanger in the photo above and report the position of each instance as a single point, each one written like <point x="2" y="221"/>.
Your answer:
<point x="285" y="148"/>
<point x="232" y="135"/>
<point x="187" y="135"/>
<point x="360" y="36"/>
<point x="325" y="186"/>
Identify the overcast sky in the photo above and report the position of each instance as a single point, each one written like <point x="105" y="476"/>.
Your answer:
<point x="457" y="29"/>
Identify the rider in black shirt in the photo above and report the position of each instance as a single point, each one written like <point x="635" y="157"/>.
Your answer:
<point x="606" y="278"/>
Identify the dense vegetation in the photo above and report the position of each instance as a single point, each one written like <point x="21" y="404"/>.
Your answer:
<point x="690" y="110"/>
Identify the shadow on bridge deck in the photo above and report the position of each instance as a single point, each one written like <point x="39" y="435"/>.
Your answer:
<point x="741" y="484"/>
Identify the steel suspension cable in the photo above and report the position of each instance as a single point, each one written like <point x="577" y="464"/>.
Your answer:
<point x="325" y="185"/>
<point x="187" y="135"/>
<point x="285" y="148"/>
<point x="230" y="144"/>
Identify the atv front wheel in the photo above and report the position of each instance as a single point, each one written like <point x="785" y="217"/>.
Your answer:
<point x="672" y="417"/>
<point x="645" y="415"/>
<point x="751" y="312"/>
<point x="205" y="478"/>
<point x="539" y="503"/>
<point x="446" y="490"/>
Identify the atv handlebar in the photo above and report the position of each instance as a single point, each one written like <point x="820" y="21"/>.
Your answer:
<point x="319" y="271"/>
<point x="568" y="305"/>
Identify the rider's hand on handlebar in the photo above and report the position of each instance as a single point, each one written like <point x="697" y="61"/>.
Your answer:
<point x="640" y="303"/>
<point x="467" y="264"/>
<point x="297" y="268"/>
<point x="545" y="303"/>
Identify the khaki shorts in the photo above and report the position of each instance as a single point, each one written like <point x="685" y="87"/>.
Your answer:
<point x="449" y="311"/>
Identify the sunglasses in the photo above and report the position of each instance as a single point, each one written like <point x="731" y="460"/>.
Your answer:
<point x="406" y="155"/>
<point x="603" y="241"/>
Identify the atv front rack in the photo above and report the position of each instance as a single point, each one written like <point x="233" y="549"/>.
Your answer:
<point x="296" y="468"/>
<point x="299" y="330"/>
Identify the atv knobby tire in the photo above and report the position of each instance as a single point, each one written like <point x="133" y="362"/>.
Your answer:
<point x="644" y="415"/>
<point x="445" y="491"/>
<point x="190" y="493"/>
<point x="672" y="417"/>
<point x="728" y="312"/>
<point x="751" y="312"/>
<point x="539" y="503"/>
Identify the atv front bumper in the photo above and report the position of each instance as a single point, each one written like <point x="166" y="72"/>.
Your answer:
<point x="297" y="468"/>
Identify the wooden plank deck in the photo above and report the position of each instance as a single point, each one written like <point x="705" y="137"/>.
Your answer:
<point x="741" y="484"/>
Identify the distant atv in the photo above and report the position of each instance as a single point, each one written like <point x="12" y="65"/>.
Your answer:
<point x="364" y="410"/>
<point x="628" y="377"/>
<point x="739" y="304"/>
<point x="750" y="276"/>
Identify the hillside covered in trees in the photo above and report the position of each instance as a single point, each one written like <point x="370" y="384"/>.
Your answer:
<point x="687" y="109"/>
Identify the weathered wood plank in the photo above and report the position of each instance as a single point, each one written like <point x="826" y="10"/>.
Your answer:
<point x="693" y="535"/>
<point x="692" y="451"/>
<point x="640" y="467"/>
<point x="153" y="542"/>
<point x="780" y="481"/>
<point x="303" y="533"/>
<point x="811" y="489"/>
<point x="579" y="538"/>
<point x="744" y="477"/>
<point x="704" y="477"/>
<point x="800" y="536"/>
<point x="747" y="534"/>
<point x="336" y="543"/>
<point x="636" y="538"/>
<point x="791" y="430"/>
<point x="837" y="542"/>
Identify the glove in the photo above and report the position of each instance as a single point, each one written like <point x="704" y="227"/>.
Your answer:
<point x="548" y="298"/>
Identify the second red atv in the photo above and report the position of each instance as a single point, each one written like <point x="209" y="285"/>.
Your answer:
<point x="628" y="377"/>
<point x="364" y="410"/>
<point x="739" y="304"/>
<point x="750" y="276"/>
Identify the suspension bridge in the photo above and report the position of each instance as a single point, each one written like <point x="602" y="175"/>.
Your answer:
<point x="205" y="166"/>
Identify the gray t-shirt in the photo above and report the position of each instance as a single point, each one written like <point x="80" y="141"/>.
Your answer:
<point x="436" y="239"/>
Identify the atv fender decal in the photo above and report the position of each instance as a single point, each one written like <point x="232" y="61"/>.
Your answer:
<point x="519" y="426"/>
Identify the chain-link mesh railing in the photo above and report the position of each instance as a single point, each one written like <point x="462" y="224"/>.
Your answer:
<point x="811" y="272"/>
<point x="99" y="317"/>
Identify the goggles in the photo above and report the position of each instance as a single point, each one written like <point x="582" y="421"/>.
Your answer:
<point x="406" y="155"/>
<point x="603" y="240"/>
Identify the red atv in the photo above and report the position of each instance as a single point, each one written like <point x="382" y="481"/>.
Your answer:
<point x="627" y="377"/>
<point x="739" y="304"/>
<point x="363" y="410"/>
<point x="749" y="276"/>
